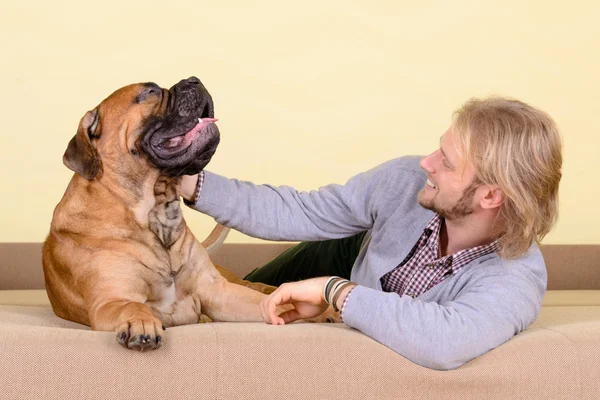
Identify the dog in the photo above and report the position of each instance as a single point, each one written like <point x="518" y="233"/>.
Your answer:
<point x="119" y="256"/>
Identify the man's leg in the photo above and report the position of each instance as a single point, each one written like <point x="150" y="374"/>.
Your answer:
<point x="309" y="260"/>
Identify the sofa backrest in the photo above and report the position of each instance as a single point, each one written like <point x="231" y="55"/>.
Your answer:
<point x="570" y="267"/>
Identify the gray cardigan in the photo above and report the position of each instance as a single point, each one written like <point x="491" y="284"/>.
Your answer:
<point x="485" y="304"/>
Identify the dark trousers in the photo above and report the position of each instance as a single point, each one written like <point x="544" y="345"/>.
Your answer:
<point x="310" y="259"/>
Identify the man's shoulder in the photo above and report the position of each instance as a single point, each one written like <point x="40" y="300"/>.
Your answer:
<point x="529" y="268"/>
<point x="395" y="184"/>
<point x="404" y="163"/>
<point x="532" y="258"/>
<point x="405" y="169"/>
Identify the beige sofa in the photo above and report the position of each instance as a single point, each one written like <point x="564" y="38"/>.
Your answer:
<point x="45" y="357"/>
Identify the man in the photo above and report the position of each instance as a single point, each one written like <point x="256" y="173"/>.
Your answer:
<point x="448" y="267"/>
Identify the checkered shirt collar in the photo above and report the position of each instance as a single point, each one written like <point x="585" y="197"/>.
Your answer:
<point x="460" y="258"/>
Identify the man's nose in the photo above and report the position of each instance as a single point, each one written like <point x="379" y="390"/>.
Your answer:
<point x="427" y="163"/>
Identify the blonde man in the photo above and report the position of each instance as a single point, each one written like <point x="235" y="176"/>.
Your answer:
<point x="440" y="260"/>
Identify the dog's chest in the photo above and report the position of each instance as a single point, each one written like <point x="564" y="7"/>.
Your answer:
<point x="165" y="295"/>
<point x="165" y="218"/>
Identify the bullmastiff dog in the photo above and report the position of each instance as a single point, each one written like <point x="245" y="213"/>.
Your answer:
<point x="119" y="256"/>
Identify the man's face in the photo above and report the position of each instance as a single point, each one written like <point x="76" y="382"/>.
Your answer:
<point x="450" y="189"/>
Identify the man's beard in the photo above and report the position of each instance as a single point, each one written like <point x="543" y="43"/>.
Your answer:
<point x="462" y="208"/>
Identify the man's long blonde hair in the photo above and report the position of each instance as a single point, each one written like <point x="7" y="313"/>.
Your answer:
<point x="518" y="148"/>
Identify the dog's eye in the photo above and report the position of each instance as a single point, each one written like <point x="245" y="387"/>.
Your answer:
<point x="149" y="91"/>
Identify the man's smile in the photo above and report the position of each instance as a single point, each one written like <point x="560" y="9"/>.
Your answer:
<point x="430" y="185"/>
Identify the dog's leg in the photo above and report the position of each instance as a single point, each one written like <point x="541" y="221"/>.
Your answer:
<point x="136" y="327"/>
<point x="231" y="277"/>
<point x="220" y="299"/>
<point x="328" y="316"/>
<point x="115" y="304"/>
<point x="224" y="300"/>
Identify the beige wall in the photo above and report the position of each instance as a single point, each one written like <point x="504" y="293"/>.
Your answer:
<point x="307" y="93"/>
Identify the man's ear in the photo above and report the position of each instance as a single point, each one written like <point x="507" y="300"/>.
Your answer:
<point x="81" y="155"/>
<point x="494" y="197"/>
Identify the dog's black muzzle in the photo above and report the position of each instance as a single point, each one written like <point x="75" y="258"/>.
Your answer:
<point x="180" y="142"/>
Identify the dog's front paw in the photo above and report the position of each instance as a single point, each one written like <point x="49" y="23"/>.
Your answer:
<point x="141" y="335"/>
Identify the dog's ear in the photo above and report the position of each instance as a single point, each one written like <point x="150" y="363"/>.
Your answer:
<point x="81" y="155"/>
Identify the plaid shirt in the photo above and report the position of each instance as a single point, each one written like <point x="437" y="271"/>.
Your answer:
<point x="422" y="269"/>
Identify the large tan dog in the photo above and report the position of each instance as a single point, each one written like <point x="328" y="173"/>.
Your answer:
<point x="119" y="256"/>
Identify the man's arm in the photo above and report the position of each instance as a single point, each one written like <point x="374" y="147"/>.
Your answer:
<point x="443" y="336"/>
<point x="282" y="213"/>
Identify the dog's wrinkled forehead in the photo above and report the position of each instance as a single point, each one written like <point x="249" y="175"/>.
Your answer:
<point x="136" y="93"/>
<point x="139" y="99"/>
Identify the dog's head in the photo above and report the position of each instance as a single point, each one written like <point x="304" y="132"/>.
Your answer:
<point x="143" y="125"/>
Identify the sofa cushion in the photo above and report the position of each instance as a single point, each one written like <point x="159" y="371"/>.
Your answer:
<point x="554" y="298"/>
<point x="556" y="358"/>
<point x="24" y="297"/>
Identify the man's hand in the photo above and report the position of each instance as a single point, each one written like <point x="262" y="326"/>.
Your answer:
<point x="188" y="187"/>
<point x="306" y="297"/>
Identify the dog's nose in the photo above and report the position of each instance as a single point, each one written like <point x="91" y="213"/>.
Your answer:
<point x="193" y="80"/>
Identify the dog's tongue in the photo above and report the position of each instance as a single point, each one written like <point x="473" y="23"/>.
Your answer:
<point x="185" y="140"/>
